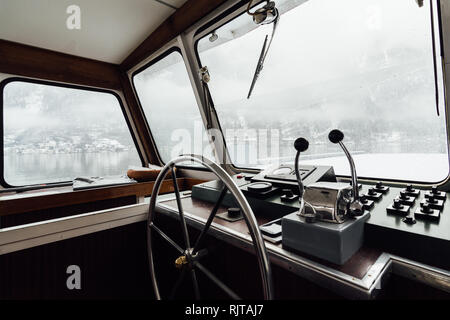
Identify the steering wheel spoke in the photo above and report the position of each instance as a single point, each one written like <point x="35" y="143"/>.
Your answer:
<point x="166" y="237"/>
<point x="195" y="284"/>
<point x="177" y="283"/>
<point x="217" y="281"/>
<point x="210" y="220"/>
<point x="184" y="229"/>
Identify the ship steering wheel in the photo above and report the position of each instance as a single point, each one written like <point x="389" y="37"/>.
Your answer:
<point x="188" y="261"/>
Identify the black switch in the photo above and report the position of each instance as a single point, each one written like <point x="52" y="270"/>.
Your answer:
<point x="380" y="188"/>
<point x="397" y="204"/>
<point x="405" y="199"/>
<point x="431" y="200"/>
<point x="409" y="219"/>
<point x="426" y="208"/>
<point x="398" y="209"/>
<point x="410" y="191"/>
<point x="433" y="203"/>
<point x="435" y="193"/>
<point x="372" y="194"/>
<point x="367" y="204"/>
<point x="426" y="213"/>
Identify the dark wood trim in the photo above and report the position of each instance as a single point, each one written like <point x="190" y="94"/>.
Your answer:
<point x="65" y="196"/>
<point x="138" y="119"/>
<point x="28" y="61"/>
<point x="191" y="12"/>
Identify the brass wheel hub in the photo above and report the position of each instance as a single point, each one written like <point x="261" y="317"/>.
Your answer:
<point x="180" y="261"/>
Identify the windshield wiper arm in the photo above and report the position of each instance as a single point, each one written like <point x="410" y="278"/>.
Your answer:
<point x="263" y="55"/>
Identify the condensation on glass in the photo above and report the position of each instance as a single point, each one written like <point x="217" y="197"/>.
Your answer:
<point x="170" y="107"/>
<point x="54" y="134"/>
<point x="362" y="66"/>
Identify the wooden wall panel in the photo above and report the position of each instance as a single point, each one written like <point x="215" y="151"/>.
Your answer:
<point x="113" y="265"/>
<point x="28" y="61"/>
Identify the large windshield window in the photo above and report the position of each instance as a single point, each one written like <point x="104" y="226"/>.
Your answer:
<point x="362" y="66"/>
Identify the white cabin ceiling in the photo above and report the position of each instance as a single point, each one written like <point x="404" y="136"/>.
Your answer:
<point x="110" y="29"/>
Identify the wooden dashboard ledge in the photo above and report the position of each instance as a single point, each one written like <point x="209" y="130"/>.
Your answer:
<point x="149" y="174"/>
<point x="65" y="196"/>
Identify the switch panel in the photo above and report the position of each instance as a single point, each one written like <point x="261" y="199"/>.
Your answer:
<point x="411" y="231"/>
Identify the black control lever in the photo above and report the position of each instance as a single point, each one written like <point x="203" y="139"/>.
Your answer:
<point x="301" y="145"/>
<point x="356" y="207"/>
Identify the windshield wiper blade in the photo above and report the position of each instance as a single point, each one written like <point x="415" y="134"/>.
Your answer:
<point x="263" y="55"/>
<point x="259" y="67"/>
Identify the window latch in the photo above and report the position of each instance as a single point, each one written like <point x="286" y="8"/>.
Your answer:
<point x="205" y="78"/>
<point x="204" y="74"/>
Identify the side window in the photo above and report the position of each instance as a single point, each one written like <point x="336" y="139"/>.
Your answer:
<point x="54" y="134"/>
<point x="170" y="107"/>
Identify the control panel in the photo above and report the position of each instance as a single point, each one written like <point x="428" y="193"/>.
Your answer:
<point x="271" y="192"/>
<point x="403" y="220"/>
<point x="311" y="211"/>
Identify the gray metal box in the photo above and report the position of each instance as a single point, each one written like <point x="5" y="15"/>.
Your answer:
<point x="329" y="241"/>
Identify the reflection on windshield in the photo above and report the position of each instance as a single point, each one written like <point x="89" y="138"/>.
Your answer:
<point x="363" y="66"/>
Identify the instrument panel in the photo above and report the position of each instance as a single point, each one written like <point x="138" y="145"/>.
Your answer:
<point x="284" y="175"/>
<point x="403" y="220"/>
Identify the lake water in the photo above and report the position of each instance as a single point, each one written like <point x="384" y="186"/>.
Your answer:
<point x="24" y="169"/>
